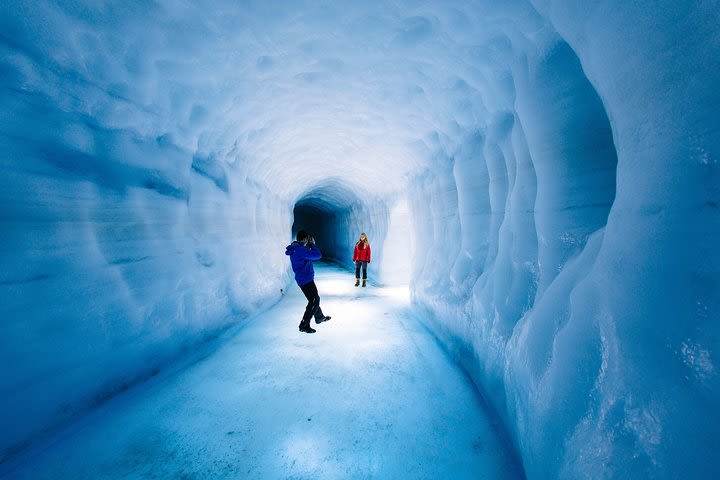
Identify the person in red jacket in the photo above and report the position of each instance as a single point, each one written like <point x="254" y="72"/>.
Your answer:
<point x="361" y="257"/>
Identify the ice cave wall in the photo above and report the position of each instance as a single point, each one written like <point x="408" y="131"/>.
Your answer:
<point x="595" y="338"/>
<point x="556" y="164"/>
<point x="119" y="253"/>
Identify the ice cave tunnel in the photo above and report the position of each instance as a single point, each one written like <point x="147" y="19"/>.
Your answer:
<point x="539" y="181"/>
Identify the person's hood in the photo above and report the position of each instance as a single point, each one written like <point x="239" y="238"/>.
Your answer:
<point x="291" y="248"/>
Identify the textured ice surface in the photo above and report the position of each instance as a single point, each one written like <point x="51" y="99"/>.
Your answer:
<point x="544" y="173"/>
<point x="371" y="395"/>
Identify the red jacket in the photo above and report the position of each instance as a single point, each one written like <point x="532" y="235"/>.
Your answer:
<point x="362" y="252"/>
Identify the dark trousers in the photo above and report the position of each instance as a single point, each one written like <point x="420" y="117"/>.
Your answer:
<point x="313" y="306"/>
<point x="363" y="264"/>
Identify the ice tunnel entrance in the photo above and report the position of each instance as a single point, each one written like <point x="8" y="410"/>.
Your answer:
<point x="335" y="214"/>
<point x="321" y="221"/>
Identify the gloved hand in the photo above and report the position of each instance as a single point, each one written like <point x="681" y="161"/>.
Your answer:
<point x="311" y="241"/>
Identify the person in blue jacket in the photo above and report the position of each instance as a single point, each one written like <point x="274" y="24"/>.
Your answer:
<point x="302" y="253"/>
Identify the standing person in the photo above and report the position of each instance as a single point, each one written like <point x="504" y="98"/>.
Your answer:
<point x="361" y="257"/>
<point x="302" y="252"/>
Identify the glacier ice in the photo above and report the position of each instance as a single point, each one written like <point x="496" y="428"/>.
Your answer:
<point x="543" y="174"/>
<point x="270" y="404"/>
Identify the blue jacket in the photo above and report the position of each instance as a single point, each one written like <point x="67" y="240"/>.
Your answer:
<point x="301" y="259"/>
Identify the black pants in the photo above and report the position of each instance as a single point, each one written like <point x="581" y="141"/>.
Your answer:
<point x="313" y="306"/>
<point x="363" y="264"/>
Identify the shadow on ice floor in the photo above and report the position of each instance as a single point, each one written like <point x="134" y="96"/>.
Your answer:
<point x="370" y="395"/>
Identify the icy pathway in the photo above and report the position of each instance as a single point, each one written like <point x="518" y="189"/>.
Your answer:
<point x="370" y="395"/>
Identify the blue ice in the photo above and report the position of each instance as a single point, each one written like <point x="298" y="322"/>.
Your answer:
<point x="370" y="395"/>
<point x="541" y="176"/>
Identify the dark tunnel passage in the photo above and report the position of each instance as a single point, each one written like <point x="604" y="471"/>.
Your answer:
<point x="335" y="214"/>
<point x="323" y="223"/>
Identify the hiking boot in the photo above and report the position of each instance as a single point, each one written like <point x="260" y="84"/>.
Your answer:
<point x="304" y="325"/>
<point x="364" y="282"/>
<point x="308" y="329"/>
<point x="324" y="319"/>
<point x="357" y="282"/>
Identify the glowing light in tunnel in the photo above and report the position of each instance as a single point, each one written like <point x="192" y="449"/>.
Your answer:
<point x="346" y="288"/>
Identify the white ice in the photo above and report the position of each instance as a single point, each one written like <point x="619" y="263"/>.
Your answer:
<point x="543" y="175"/>
<point x="370" y="395"/>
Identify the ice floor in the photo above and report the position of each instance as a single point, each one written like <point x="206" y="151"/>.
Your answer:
<point x="370" y="395"/>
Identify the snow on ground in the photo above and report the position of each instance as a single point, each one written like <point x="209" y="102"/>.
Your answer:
<point x="370" y="395"/>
